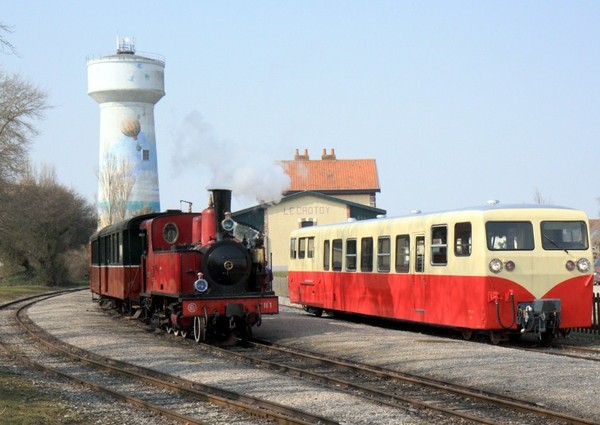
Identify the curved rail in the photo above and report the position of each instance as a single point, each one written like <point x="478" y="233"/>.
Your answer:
<point x="180" y="387"/>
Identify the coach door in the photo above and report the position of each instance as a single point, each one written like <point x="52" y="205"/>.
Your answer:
<point x="419" y="275"/>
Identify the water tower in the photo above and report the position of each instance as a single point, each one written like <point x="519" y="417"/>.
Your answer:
<point x="126" y="86"/>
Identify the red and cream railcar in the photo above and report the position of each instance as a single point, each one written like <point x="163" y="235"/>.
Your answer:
<point x="501" y="269"/>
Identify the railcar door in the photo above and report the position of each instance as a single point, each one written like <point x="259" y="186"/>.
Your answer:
<point x="419" y="278"/>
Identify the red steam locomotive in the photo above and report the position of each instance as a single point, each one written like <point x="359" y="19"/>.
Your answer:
<point x="184" y="272"/>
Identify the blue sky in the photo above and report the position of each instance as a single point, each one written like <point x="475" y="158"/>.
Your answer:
<point x="459" y="102"/>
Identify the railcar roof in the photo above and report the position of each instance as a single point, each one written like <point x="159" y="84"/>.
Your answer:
<point x="475" y="209"/>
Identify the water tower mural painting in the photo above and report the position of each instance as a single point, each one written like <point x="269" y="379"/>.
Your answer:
<point x="126" y="87"/>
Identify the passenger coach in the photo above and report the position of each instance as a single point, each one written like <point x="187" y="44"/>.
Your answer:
<point x="505" y="270"/>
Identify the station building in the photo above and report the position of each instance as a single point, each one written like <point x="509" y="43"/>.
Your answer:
<point x="322" y="191"/>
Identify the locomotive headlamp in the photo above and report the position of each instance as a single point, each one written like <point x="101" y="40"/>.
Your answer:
<point x="584" y="265"/>
<point x="495" y="265"/>
<point x="201" y="285"/>
<point x="228" y="224"/>
<point x="570" y="265"/>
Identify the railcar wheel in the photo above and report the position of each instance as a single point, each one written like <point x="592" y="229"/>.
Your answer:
<point x="199" y="329"/>
<point x="496" y="337"/>
<point x="467" y="334"/>
<point x="169" y="329"/>
<point x="183" y="334"/>
<point x="176" y="332"/>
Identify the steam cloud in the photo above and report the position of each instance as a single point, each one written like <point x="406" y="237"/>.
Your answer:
<point x="247" y="170"/>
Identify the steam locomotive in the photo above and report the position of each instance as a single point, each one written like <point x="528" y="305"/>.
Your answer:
<point x="187" y="273"/>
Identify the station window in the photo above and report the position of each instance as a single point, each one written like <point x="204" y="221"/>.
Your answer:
<point x="145" y="155"/>
<point x="293" y="248"/>
<point x="383" y="254"/>
<point x="462" y="239"/>
<point x="366" y="255"/>
<point x="402" y="253"/>
<point x="326" y="254"/>
<point x="439" y="245"/>
<point x="351" y="255"/>
<point x="337" y="255"/>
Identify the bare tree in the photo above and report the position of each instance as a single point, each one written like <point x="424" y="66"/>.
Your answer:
<point x="40" y="220"/>
<point x="116" y="180"/>
<point x="5" y="45"/>
<point x="538" y="198"/>
<point x="20" y="105"/>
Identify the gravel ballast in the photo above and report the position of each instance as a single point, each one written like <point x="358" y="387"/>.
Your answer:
<point x="565" y="384"/>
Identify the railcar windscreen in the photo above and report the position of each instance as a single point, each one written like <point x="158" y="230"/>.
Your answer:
<point x="509" y="235"/>
<point x="564" y="235"/>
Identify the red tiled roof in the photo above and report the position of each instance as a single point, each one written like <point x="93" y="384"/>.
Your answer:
<point x="338" y="175"/>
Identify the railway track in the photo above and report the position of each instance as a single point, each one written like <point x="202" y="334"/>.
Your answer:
<point x="172" y="397"/>
<point x="401" y="390"/>
<point x="422" y="403"/>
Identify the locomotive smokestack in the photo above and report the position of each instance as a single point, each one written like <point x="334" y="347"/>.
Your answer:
<point x="222" y="204"/>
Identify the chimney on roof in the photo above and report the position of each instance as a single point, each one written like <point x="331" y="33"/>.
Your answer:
<point x="325" y="156"/>
<point x="298" y="157"/>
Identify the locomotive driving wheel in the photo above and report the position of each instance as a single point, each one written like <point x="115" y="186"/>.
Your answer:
<point x="199" y="329"/>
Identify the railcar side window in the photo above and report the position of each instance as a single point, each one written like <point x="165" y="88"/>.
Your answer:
<point x="366" y="255"/>
<point x="310" y="248"/>
<point x="383" y="254"/>
<point x="302" y="248"/>
<point x="351" y="255"/>
<point x="402" y="253"/>
<point x="326" y="254"/>
<point x="509" y="235"/>
<point x="462" y="239"/>
<point x="564" y="235"/>
<point x="293" y="248"/>
<point x="439" y="245"/>
<point x="337" y="255"/>
<point x="420" y="254"/>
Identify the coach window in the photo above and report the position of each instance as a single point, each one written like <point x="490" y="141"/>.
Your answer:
<point x="383" y="254"/>
<point x="402" y="253"/>
<point x="462" y="239"/>
<point x="101" y="250"/>
<point x="326" y="254"/>
<point x="337" y="255"/>
<point x="439" y="245"/>
<point x="351" y="255"/>
<point x="366" y="255"/>
<point x="94" y="248"/>
<point x="293" y="248"/>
